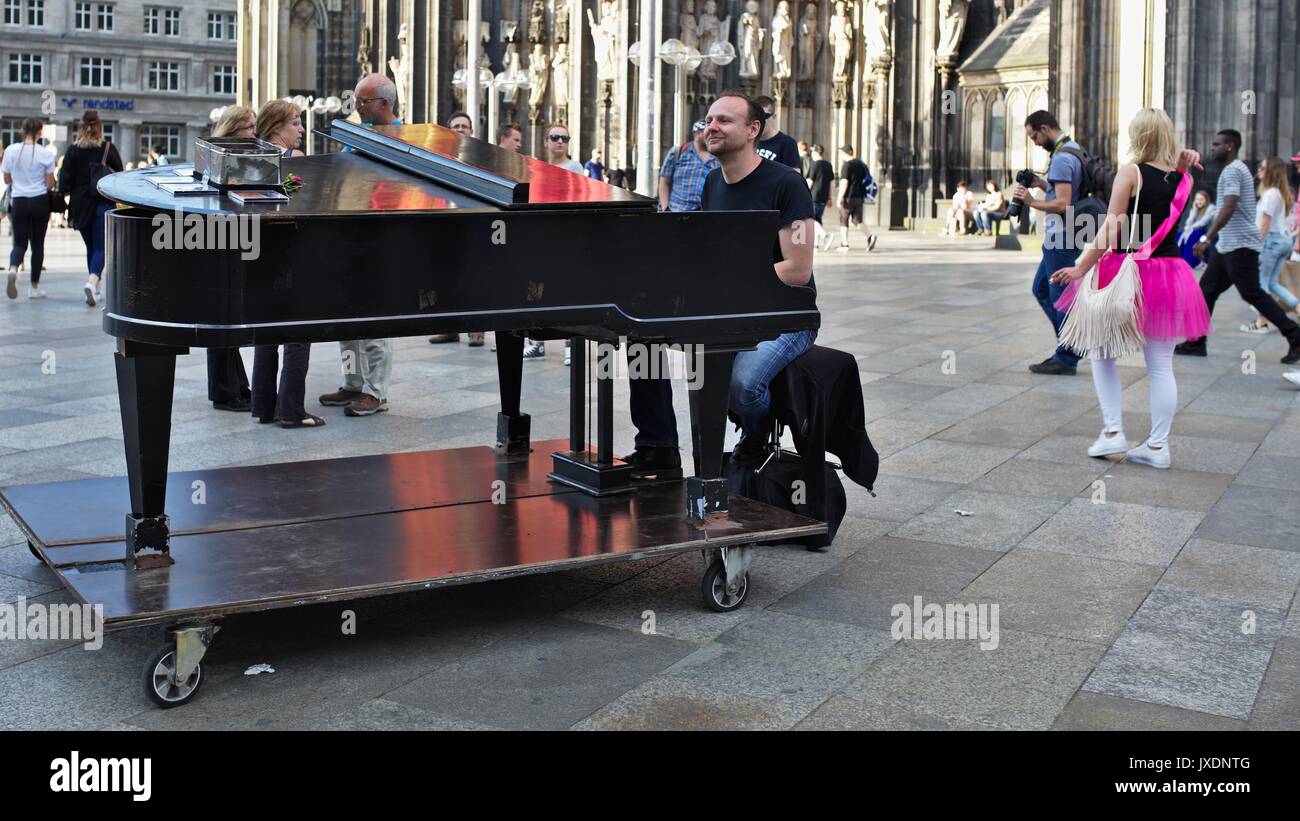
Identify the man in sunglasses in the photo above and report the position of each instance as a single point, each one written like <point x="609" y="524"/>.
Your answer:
<point x="557" y="153"/>
<point x="367" y="363"/>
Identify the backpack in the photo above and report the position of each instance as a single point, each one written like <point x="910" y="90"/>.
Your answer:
<point x="774" y="483"/>
<point x="1098" y="181"/>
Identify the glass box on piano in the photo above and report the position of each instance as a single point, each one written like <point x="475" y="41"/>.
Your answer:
<point x="237" y="162"/>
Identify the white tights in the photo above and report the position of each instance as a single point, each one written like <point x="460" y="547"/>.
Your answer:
<point x="1159" y="354"/>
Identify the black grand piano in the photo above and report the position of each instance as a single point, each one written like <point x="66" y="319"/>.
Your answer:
<point x="412" y="230"/>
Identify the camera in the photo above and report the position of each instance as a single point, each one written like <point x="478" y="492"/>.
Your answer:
<point x="1025" y="178"/>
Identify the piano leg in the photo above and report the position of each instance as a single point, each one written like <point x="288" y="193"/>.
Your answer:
<point x="513" y="427"/>
<point x="706" y="491"/>
<point x="146" y="375"/>
<point x="599" y="473"/>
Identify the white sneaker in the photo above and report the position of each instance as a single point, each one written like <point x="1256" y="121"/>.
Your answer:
<point x="1144" y="455"/>
<point x="35" y="293"/>
<point x="1293" y="377"/>
<point x="535" y="350"/>
<point x="1108" y="445"/>
<point x="826" y="242"/>
<point x="568" y="356"/>
<point x="1256" y="327"/>
<point x="89" y="290"/>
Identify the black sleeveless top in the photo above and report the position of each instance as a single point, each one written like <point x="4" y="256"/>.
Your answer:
<point x="1157" y="194"/>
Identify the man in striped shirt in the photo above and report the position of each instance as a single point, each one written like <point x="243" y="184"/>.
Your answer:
<point x="681" y="180"/>
<point x="1236" y="248"/>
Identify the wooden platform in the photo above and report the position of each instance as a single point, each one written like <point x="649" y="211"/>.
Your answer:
<point x="306" y="532"/>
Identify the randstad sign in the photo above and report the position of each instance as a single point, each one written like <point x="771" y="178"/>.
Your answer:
<point x="104" y="104"/>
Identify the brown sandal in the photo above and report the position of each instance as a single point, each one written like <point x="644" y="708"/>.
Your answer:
<point x="308" y="421"/>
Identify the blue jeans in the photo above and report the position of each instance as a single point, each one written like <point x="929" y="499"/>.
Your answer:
<point x="1047" y="293"/>
<point x="1277" y="250"/>
<point x="985" y="219"/>
<point x="93" y="236"/>
<point x="753" y="371"/>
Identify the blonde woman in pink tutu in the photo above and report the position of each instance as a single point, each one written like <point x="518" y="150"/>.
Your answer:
<point x="1172" y="307"/>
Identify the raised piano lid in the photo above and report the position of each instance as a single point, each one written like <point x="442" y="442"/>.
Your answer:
<point x="507" y="179"/>
<point x="334" y="185"/>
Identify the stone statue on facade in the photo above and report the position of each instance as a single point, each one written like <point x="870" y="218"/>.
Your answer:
<point x="875" y="30"/>
<point x="537" y="78"/>
<point x="401" y="68"/>
<point x="363" y="54"/>
<point x="604" y="36"/>
<point x="840" y="38"/>
<point x="782" y="42"/>
<point x="560" y="75"/>
<point x="687" y="29"/>
<point x="952" y="22"/>
<point x="749" y="40"/>
<point x="810" y="40"/>
<point x="711" y="31"/>
<point x="537" y="22"/>
<point x="561" y="29"/>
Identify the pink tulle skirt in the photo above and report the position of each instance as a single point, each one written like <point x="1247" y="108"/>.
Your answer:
<point x="1172" y="304"/>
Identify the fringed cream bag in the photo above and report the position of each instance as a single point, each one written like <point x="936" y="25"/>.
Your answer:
<point x="1103" y="322"/>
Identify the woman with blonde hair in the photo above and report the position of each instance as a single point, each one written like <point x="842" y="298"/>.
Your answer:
<point x="236" y="121"/>
<point x="1273" y="219"/>
<point x="280" y="124"/>
<point x="1155" y="186"/>
<point x="87" y="160"/>
<point x="228" y="388"/>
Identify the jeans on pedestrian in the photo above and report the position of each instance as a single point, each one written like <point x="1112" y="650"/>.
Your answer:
<point x="93" y="236"/>
<point x="288" y="403"/>
<point x="1277" y="250"/>
<point x="30" y="217"/>
<point x="985" y="219"/>
<point x="751" y="397"/>
<point x="1047" y="292"/>
<point x="367" y="364"/>
<point x="650" y="401"/>
<point x="1240" y="269"/>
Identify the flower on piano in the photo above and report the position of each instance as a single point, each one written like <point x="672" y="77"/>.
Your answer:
<point x="292" y="183"/>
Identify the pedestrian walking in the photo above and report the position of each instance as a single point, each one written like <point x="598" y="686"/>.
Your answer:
<point x="89" y="159"/>
<point x="1273" y="218"/>
<point x="28" y="170"/>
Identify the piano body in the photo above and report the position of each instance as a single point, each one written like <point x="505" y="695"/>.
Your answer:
<point x="415" y="230"/>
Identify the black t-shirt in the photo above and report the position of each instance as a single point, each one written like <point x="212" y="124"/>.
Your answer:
<point x="781" y="148"/>
<point x="769" y="187"/>
<point x="854" y="174"/>
<point x="822" y="175"/>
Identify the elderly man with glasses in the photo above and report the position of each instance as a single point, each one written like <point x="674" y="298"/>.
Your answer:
<point x="367" y="363"/>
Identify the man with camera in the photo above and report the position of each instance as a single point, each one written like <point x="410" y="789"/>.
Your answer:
<point x="1063" y="185"/>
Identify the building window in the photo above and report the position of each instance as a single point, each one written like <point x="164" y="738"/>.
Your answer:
<point x="105" y="13"/>
<point x="221" y="25"/>
<point x="164" y="21"/>
<point x="11" y="131"/>
<point x="110" y="131"/>
<point x="223" y="79"/>
<point x="13" y="12"/>
<point x="166" y="138"/>
<point x="96" y="72"/>
<point x="35" y="12"/>
<point x="164" y="76"/>
<point x="83" y="17"/>
<point x="26" y="69"/>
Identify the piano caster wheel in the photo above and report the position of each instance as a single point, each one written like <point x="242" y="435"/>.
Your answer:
<point x="718" y="595"/>
<point x="160" y="681"/>
<point x="35" y="552"/>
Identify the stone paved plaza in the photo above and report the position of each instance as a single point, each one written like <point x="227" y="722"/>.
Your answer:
<point x="1172" y="604"/>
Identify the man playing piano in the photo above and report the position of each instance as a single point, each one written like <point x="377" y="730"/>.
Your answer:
<point x="367" y="363"/>
<point x="744" y="181"/>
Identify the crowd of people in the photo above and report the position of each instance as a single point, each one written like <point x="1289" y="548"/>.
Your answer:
<point x="1242" y="237"/>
